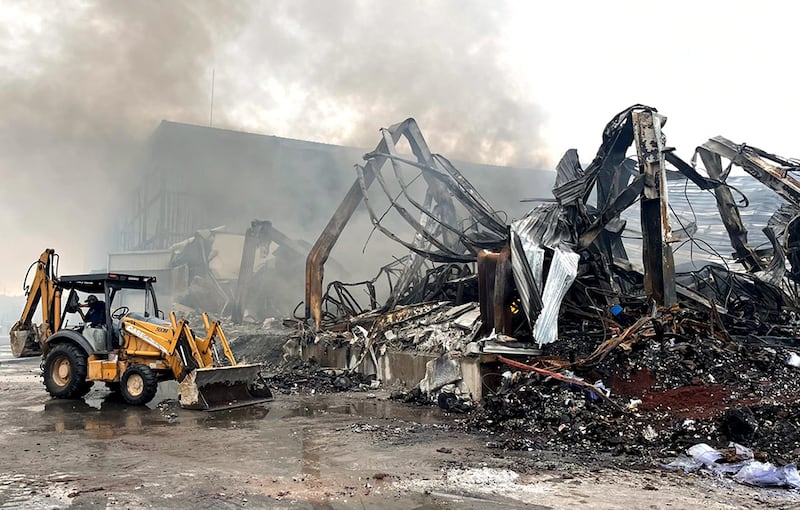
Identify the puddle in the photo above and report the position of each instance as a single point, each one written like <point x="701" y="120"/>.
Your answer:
<point x="372" y="408"/>
<point x="109" y="420"/>
<point x="105" y="415"/>
<point x="242" y="417"/>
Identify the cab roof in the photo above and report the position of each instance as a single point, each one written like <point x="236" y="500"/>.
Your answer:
<point x="96" y="282"/>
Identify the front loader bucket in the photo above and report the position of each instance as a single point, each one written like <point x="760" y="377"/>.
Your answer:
<point x="218" y="388"/>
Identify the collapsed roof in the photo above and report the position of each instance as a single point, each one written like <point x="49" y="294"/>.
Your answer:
<point x="582" y="252"/>
<point x="614" y="316"/>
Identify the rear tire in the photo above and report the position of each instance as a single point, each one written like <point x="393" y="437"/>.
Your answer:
<point x="65" y="369"/>
<point x="138" y="385"/>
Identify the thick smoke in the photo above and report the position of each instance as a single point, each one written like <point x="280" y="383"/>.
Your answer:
<point x="84" y="85"/>
<point x="352" y="66"/>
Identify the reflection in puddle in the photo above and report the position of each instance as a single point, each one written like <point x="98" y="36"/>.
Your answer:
<point x="103" y="422"/>
<point x="386" y="409"/>
<point x="241" y="417"/>
<point x="109" y="416"/>
<point x="104" y="415"/>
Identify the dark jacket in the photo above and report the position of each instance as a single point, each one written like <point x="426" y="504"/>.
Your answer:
<point x="96" y="316"/>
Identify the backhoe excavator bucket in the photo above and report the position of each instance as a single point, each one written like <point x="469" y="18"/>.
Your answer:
<point x="218" y="388"/>
<point x="24" y="342"/>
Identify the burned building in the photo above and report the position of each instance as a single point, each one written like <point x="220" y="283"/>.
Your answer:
<point x="649" y="306"/>
<point x="201" y="187"/>
<point x="580" y="275"/>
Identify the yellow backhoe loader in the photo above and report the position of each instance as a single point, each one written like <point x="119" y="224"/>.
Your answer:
<point x="129" y="351"/>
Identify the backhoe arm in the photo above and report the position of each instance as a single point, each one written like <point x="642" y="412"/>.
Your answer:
<point x="25" y="337"/>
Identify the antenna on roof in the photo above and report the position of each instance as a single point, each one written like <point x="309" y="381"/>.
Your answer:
<point x="211" y="113"/>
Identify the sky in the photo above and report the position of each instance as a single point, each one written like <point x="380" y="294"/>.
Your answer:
<point x="504" y="82"/>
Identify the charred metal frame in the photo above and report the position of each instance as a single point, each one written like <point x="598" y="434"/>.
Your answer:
<point x="439" y="237"/>
<point x="573" y="225"/>
<point x="759" y="164"/>
<point x="315" y="262"/>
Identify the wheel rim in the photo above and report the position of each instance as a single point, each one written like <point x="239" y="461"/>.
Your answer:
<point x="62" y="371"/>
<point x="134" y="385"/>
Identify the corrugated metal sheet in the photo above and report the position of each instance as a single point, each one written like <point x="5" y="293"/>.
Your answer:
<point x="691" y="204"/>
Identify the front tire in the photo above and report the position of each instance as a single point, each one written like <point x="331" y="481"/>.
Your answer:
<point x="138" y="385"/>
<point x="65" y="369"/>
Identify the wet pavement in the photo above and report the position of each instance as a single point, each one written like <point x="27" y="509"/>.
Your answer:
<point x="294" y="452"/>
<point x="347" y="450"/>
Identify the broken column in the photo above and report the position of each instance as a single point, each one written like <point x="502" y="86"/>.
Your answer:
<point x="659" y="266"/>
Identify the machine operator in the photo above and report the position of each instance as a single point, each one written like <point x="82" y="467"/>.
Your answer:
<point x="96" y="316"/>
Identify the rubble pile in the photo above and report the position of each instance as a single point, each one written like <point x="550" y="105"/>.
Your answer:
<point x="677" y="358"/>
<point x="431" y="327"/>
<point x="655" y="406"/>
<point x="631" y="313"/>
<point x="309" y="378"/>
<point x="276" y="347"/>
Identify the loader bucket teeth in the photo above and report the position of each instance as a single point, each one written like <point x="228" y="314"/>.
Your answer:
<point x="215" y="389"/>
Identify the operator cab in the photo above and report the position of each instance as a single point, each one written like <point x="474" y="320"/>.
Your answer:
<point x="119" y="293"/>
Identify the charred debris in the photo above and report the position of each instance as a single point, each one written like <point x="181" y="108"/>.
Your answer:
<point x="605" y="317"/>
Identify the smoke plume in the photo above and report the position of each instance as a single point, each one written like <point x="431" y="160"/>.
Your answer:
<point x="350" y="67"/>
<point x="83" y="86"/>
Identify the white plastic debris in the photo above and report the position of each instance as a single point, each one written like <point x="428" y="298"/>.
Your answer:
<point x="742" y="451"/>
<point x="747" y="470"/>
<point x="765" y="474"/>
<point x="602" y="388"/>
<point x="704" y="454"/>
<point x="700" y="455"/>
<point x="563" y="271"/>
<point x="793" y="360"/>
<point x="792" y="476"/>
